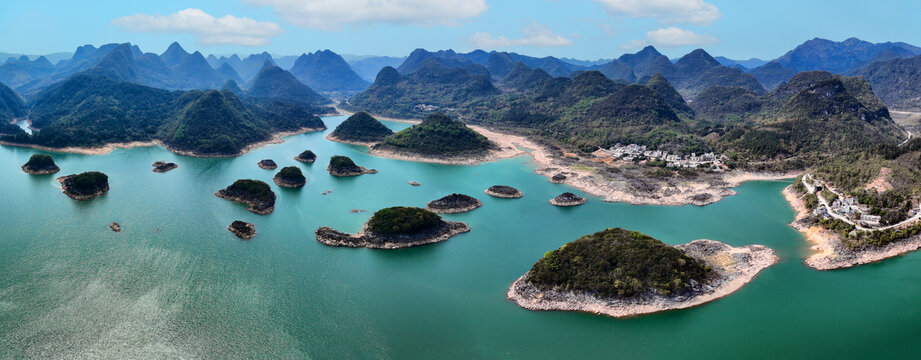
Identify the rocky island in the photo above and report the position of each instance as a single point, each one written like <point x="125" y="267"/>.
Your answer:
<point x="568" y="199"/>
<point x="40" y="164"/>
<point x="267" y="164"/>
<point x="85" y="186"/>
<point x="163" y="166"/>
<point x="257" y="194"/>
<point x="438" y="139"/>
<point x="504" y="192"/>
<point x="454" y="203"/>
<point x="623" y="273"/>
<point x="395" y="228"/>
<point x="243" y="230"/>
<point x="360" y="129"/>
<point x="344" y="166"/>
<point x="306" y="157"/>
<point x="290" y="177"/>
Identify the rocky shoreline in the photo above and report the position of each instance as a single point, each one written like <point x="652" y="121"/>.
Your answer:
<point x="504" y="192"/>
<point x="243" y="230"/>
<point x="267" y="164"/>
<point x="454" y="203"/>
<point x="276" y="138"/>
<point x="829" y="252"/>
<point x="306" y="157"/>
<point x="371" y="240"/>
<point x="568" y="199"/>
<point x="734" y="267"/>
<point x="42" y="171"/>
<point x="162" y="166"/>
<point x="65" y="187"/>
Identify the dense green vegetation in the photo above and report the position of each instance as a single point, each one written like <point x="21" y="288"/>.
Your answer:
<point x="439" y="134"/>
<point x="291" y="172"/>
<point x="87" y="183"/>
<point x="402" y="220"/>
<point x="361" y="127"/>
<point x="618" y="263"/>
<point x="274" y="83"/>
<point x="342" y="164"/>
<point x="254" y="190"/>
<point x="11" y="106"/>
<point x="40" y="161"/>
<point x="93" y="110"/>
<point x="396" y="95"/>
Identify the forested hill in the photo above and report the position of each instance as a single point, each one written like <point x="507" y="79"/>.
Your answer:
<point x="91" y="110"/>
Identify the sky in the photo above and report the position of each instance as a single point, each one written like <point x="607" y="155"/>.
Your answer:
<point x="583" y="29"/>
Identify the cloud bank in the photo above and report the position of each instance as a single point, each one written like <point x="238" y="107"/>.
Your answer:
<point x="535" y="35"/>
<point x="672" y="37"/>
<point x="207" y="29"/>
<point x="334" y="14"/>
<point x="695" y="12"/>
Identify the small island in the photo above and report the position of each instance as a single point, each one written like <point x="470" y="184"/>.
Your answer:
<point x="116" y="227"/>
<point x="344" y="166"/>
<point x="290" y="177"/>
<point x="360" y="129"/>
<point x="623" y="273"/>
<point x="40" y="164"/>
<point x="267" y="164"/>
<point x="439" y="139"/>
<point x="568" y="199"/>
<point x="306" y="157"/>
<point x="257" y="194"/>
<point x="504" y="192"/>
<point x="84" y="186"/>
<point x="243" y="230"/>
<point x="396" y="228"/>
<point x="454" y="203"/>
<point x="163" y="166"/>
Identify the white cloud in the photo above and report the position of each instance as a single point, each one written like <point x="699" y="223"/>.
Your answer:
<point x="207" y="29"/>
<point x="672" y="37"/>
<point x="333" y="14"/>
<point x="668" y="11"/>
<point x="535" y="34"/>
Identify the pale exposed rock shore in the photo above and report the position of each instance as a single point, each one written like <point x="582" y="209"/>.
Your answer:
<point x="372" y="240"/>
<point x="568" y="199"/>
<point x="504" y="192"/>
<point x="452" y="204"/>
<point x="830" y="252"/>
<point x="734" y="267"/>
<point x="243" y="230"/>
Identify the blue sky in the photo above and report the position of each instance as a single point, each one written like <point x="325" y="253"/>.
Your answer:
<point x="586" y="29"/>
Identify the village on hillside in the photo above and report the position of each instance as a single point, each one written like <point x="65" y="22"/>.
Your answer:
<point x="641" y="154"/>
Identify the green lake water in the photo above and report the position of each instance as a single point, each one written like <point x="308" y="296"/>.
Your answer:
<point x="176" y="284"/>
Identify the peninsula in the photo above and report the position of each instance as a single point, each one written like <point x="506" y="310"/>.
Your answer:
<point x="396" y="228"/>
<point x="257" y="194"/>
<point x="623" y="273"/>
<point x="40" y="164"/>
<point x="84" y="186"/>
<point x="344" y="166"/>
<point x="438" y="138"/>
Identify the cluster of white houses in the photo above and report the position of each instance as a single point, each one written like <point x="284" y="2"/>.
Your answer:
<point x="851" y="209"/>
<point x="633" y="152"/>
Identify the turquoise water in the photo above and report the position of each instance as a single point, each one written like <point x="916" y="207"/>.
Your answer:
<point x="175" y="283"/>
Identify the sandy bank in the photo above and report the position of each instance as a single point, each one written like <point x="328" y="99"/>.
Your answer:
<point x="734" y="266"/>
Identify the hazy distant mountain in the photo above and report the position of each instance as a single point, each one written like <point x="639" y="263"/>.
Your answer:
<point x="394" y="94"/>
<point x="772" y="74"/>
<point x="231" y="85"/>
<point x="326" y="71"/>
<point x="747" y="64"/>
<point x="897" y="82"/>
<point x="273" y="82"/>
<point x="17" y="72"/>
<point x="250" y="66"/>
<point x="698" y="70"/>
<point x="368" y="66"/>
<point x="11" y="106"/>
<point x="447" y="58"/>
<point x="839" y="57"/>
<point x="285" y="62"/>
<point x="586" y="63"/>
<point x="173" y="55"/>
<point x="523" y="78"/>
<point x="227" y="72"/>
<point x="498" y="63"/>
